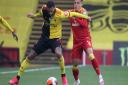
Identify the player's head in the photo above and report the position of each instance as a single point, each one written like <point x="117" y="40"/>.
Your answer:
<point x="50" y="6"/>
<point x="52" y="81"/>
<point x="77" y="4"/>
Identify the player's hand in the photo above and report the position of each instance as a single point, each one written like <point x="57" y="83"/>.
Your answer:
<point x="30" y="15"/>
<point x="15" y="36"/>
<point x="89" y="19"/>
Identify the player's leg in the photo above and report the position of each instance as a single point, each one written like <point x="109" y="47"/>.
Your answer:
<point x="57" y="49"/>
<point x="95" y="65"/>
<point x="58" y="52"/>
<point x="89" y="51"/>
<point x="25" y="64"/>
<point x="93" y="60"/>
<point x="75" y="71"/>
<point x="76" y="56"/>
<point x="38" y="48"/>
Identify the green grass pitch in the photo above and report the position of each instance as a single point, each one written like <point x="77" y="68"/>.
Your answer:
<point x="113" y="75"/>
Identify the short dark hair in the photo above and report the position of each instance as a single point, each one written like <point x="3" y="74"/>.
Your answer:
<point x="50" y="4"/>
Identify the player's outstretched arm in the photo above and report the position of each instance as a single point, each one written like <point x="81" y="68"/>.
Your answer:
<point x="5" y="23"/>
<point x="34" y="15"/>
<point x="31" y="15"/>
<point x="68" y="14"/>
<point x="75" y="14"/>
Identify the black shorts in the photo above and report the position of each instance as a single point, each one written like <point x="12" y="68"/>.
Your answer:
<point x="44" y="43"/>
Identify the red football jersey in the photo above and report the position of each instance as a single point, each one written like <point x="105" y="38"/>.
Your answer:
<point x="80" y="28"/>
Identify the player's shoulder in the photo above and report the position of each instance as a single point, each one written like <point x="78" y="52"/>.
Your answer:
<point x="58" y="11"/>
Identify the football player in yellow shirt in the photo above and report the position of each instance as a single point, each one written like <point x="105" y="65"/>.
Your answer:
<point x="50" y="38"/>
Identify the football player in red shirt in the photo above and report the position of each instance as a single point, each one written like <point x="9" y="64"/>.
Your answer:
<point x="82" y="42"/>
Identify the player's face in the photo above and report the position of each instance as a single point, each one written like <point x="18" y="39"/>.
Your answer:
<point x="51" y="10"/>
<point x="77" y="4"/>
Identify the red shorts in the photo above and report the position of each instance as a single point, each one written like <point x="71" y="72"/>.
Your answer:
<point x="79" y="47"/>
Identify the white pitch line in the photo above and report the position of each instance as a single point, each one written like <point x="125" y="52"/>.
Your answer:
<point x="37" y="69"/>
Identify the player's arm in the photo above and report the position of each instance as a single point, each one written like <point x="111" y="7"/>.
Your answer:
<point x="33" y="15"/>
<point x="5" y="23"/>
<point x="68" y="14"/>
<point x="38" y="13"/>
<point x="75" y="14"/>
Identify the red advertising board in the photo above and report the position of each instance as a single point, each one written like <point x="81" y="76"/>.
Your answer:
<point x="104" y="57"/>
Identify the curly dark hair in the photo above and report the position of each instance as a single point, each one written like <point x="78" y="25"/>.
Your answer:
<point x="50" y="4"/>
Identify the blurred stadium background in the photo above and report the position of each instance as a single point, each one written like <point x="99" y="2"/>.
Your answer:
<point x="109" y="31"/>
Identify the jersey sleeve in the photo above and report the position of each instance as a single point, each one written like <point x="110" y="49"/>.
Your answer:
<point x="5" y="23"/>
<point x="75" y="14"/>
<point x="39" y="13"/>
<point x="68" y="14"/>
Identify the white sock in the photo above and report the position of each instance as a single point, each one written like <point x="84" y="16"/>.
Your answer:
<point x="100" y="76"/>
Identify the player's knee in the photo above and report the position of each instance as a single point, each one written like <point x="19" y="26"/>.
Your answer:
<point x="74" y="67"/>
<point x="75" y="62"/>
<point x="58" y="52"/>
<point x="91" y="56"/>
